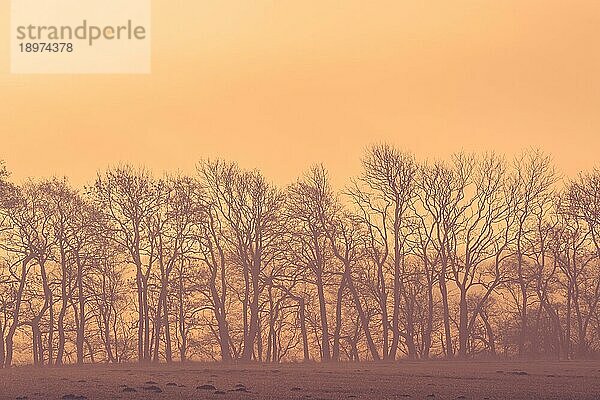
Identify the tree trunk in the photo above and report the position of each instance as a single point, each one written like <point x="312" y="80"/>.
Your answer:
<point x="463" y="331"/>
<point x="168" y="345"/>
<point x="48" y="305"/>
<point x="427" y="341"/>
<point x="338" y="319"/>
<point x="81" y="303"/>
<point x="302" y="317"/>
<point x="254" y="317"/>
<point x="63" y="309"/>
<point x="16" y="312"/>
<point x="140" y="298"/>
<point x="363" y="318"/>
<point x="446" y="312"/>
<point x="325" y="351"/>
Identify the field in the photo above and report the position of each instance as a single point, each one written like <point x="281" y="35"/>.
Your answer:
<point x="402" y="380"/>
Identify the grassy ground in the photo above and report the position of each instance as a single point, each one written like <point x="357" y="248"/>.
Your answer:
<point x="402" y="380"/>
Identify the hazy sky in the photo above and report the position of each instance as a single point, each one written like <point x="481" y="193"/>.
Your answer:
<point x="280" y="85"/>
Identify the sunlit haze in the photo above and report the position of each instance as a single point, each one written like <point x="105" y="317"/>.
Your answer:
<point x="282" y="85"/>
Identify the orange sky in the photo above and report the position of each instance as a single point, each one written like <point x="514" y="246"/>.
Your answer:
<point x="282" y="84"/>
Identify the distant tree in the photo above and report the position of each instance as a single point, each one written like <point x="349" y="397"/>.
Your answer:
<point x="130" y="198"/>
<point x="310" y="203"/>
<point x="384" y="195"/>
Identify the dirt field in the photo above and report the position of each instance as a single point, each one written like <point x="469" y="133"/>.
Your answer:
<point x="403" y="380"/>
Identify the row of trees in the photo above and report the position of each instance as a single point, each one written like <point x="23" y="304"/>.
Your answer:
<point x="470" y="257"/>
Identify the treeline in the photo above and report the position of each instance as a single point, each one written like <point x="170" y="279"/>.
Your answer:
<point x="475" y="256"/>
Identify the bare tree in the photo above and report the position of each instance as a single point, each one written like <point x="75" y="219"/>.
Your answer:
<point x="310" y="204"/>
<point x="531" y="195"/>
<point x="250" y="208"/>
<point x="130" y="198"/>
<point x="469" y="257"/>
<point x="384" y="194"/>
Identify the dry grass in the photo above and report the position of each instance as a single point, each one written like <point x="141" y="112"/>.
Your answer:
<point x="402" y="380"/>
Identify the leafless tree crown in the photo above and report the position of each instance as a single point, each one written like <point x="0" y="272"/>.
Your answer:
<point x="475" y="256"/>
